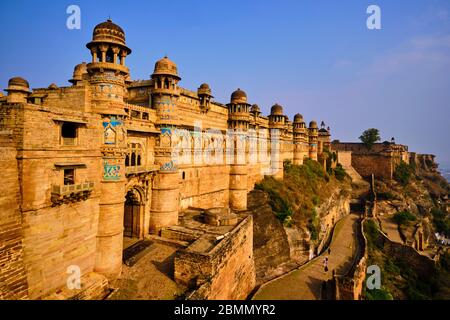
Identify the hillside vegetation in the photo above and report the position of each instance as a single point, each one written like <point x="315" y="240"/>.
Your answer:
<point x="295" y="199"/>
<point x="400" y="279"/>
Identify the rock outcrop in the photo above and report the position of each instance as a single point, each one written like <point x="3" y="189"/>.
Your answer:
<point x="270" y="243"/>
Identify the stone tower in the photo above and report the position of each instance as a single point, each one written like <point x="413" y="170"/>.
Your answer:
<point x="238" y="123"/>
<point x="165" y="193"/>
<point x="301" y="145"/>
<point x="107" y="79"/>
<point x="313" y="140"/>
<point x="277" y="123"/>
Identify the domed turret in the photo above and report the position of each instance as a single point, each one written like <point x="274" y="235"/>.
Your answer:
<point x="18" y="84"/>
<point x="301" y="143"/>
<point x="239" y="111"/>
<point x="313" y="140"/>
<point x="238" y="97"/>
<point x="204" y="94"/>
<point x="18" y="90"/>
<point x="298" y="118"/>
<point x="277" y="119"/>
<point x="204" y="90"/>
<point x="166" y="67"/>
<point x="108" y="48"/>
<point x="313" y="125"/>
<point x="78" y="72"/>
<point x="165" y="91"/>
<point x="276" y="110"/>
<point x="108" y="32"/>
<point x="255" y="109"/>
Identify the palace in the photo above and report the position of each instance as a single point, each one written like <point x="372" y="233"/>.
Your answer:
<point x="108" y="158"/>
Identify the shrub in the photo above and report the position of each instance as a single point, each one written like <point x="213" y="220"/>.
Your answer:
<point x="314" y="225"/>
<point x="402" y="218"/>
<point x="378" y="294"/>
<point x="279" y="204"/>
<point x="403" y="173"/>
<point x="386" y="196"/>
<point x="340" y="173"/>
<point x="372" y="235"/>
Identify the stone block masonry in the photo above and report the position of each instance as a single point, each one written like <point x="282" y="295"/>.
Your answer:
<point x="13" y="274"/>
<point x="226" y="272"/>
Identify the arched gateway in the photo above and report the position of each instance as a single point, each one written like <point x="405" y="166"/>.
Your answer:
<point x="133" y="215"/>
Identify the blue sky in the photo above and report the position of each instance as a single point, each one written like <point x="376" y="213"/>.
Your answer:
<point x="316" y="57"/>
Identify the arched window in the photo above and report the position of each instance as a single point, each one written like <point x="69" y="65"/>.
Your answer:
<point x="109" y="56"/>
<point x="134" y="158"/>
<point x="166" y="84"/>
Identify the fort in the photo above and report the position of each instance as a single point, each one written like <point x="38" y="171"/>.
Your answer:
<point x="91" y="168"/>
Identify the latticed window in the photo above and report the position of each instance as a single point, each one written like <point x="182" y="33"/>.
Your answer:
<point x="134" y="156"/>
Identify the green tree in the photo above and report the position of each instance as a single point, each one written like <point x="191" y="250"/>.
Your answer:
<point x="403" y="173"/>
<point x="370" y="137"/>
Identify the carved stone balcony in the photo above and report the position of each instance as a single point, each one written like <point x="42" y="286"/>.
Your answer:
<point x="62" y="194"/>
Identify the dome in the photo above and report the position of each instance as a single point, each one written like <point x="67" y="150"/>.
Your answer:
<point x="18" y="81"/>
<point x="78" y="72"/>
<point x="108" y="32"/>
<point x="18" y="84"/>
<point x="313" y="125"/>
<point x="204" y="90"/>
<point x="298" y="118"/>
<point x="238" y="96"/>
<point x="53" y="86"/>
<point x="276" y="110"/>
<point x="255" y="108"/>
<point x="166" y="67"/>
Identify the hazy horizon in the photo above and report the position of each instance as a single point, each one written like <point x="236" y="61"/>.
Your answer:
<point x="313" y="57"/>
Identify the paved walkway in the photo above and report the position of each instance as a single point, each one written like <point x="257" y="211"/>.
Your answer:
<point x="390" y="228"/>
<point x="306" y="282"/>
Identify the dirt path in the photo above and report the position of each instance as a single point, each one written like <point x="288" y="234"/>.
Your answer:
<point x="151" y="278"/>
<point x="306" y="282"/>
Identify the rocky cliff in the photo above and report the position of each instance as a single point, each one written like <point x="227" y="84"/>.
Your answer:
<point x="294" y="218"/>
<point x="414" y="206"/>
